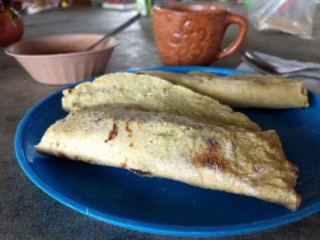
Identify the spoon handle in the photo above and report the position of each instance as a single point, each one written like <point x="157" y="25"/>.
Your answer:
<point x="115" y="31"/>
<point x="256" y="60"/>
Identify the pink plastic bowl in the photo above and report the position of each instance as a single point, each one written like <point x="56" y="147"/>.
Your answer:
<point x="59" y="59"/>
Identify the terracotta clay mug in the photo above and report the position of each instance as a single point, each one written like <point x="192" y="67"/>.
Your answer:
<point x="191" y="34"/>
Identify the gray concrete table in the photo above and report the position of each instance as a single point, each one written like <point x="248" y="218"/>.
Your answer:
<point x="28" y="213"/>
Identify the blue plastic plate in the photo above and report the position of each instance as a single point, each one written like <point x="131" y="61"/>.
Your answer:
<point x="160" y="206"/>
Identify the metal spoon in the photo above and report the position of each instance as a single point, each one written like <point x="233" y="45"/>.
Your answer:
<point x="253" y="59"/>
<point x="264" y="65"/>
<point x="114" y="32"/>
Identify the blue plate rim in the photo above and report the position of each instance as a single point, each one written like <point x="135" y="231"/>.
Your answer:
<point x="169" y="230"/>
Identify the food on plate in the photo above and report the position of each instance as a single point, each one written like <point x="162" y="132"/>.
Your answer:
<point x="242" y="90"/>
<point x="154" y="127"/>
<point x="153" y="94"/>
<point x="202" y="74"/>
<point x="165" y="145"/>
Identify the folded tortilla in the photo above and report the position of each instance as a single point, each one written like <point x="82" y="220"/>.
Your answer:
<point x="242" y="90"/>
<point x="153" y="94"/>
<point x="202" y="74"/>
<point x="178" y="148"/>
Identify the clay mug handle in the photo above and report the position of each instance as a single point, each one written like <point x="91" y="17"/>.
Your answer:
<point x="234" y="19"/>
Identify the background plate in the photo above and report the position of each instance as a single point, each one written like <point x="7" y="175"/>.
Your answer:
<point x="161" y="206"/>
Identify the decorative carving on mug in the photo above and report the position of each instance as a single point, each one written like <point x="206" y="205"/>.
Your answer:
<point x="189" y="37"/>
